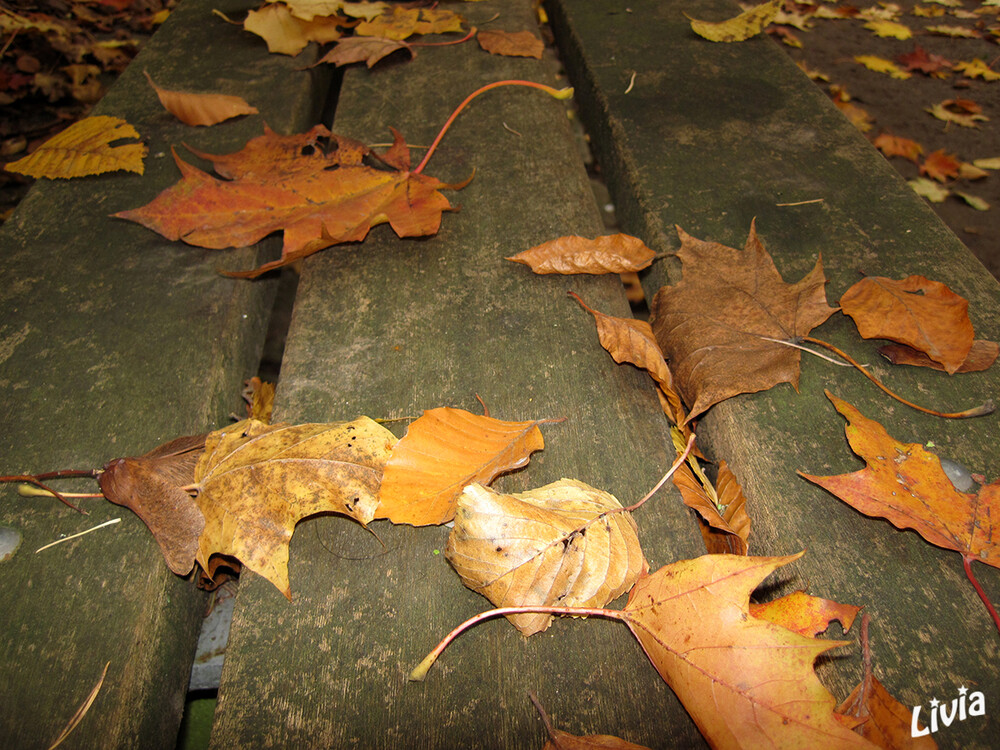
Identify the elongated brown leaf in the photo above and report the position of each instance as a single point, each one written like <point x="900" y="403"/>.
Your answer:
<point x="725" y="532"/>
<point x="547" y="546"/>
<point x="256" y="481"/>
<point x="887" y="722"/>
<point x="201" y="109"/>
<point x="442" y="452"/>
<point x="981" y="356"/>
<point x="614" y="253"/>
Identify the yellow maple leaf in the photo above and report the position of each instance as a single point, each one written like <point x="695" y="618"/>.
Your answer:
<point x="881" y="65"/>
<point x="287" y="34"/>
<point x="745" y="25"/>
<point x="889" y="29"/>
<point x="976" y="69"/>
<point x="82" y="149"/>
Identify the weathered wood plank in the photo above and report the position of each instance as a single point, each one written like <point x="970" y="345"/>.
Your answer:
<point x="390" y="328"/>
<point x="113" y="340"/>
<point x="711" y="136"/>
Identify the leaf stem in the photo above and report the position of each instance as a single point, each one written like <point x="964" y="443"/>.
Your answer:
<point x="673" y="468"/>
<point x="418" y="674"/>
<point x="557" y="93"/>
<point x="35" y="479"/>
<point x="467" y="37"/>
<point x="977" y="411"/>
<point x="967" y="564"/>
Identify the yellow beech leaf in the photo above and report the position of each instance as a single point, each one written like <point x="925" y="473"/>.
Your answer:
<point x="556" y="545"/>
<point x="83" y="149"/>
<point x="881" y="65"/>
<point x="256" y="481"/>
<point x="443" y="451"/>
<point x="201" y="109"/>
<point x="745" y="25"/>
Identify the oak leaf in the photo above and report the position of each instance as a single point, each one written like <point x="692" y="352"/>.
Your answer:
<point x="612" y="253"/>
<point x="923" y="314"/>
<point x="804" y="614"/>
<point x="905" y="484"/>
<point x="564" y="544"/>
<point x="84" y="149"/>
<point x="314" y="204"/>
<point x="201" y="109"/>
<point x="443" y="451"/>
<point x="693" y="620"/>
<point x="715" y="324"/>
<point x="511" y="44"/>
<point x="981" y="356"/>
<point x="255" y="482"/>
<point x="744" y="26"/>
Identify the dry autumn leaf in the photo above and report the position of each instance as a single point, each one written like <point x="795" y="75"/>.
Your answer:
<point x="84" y="149"/>
<point x="715" y="325"/>
<point x="941" y="166"/>
<point x="255" y="482"/>
<point x="613" y="253"/>
<point x="881" y="65"/>
<point x="723" y="519"/>
<point x="923" y="314"/>
<point x="511" y="44"/>
<point x="286" y="34"/>
<point x="804" y="614"/>
<point x="560" y="740"/>
<point x="892" y="145"/>
<point x="964" y="112"/>
<point x="366" y="49"/>
<point x="981" y="356"/>
<point x="553" y="545"/>
<point x="443" y="451"/>
<point x="927" y="63"/>
<point x="977" y="68"/>
<point x="399" y="23"/>
<point x="891" y="29"/>
<point x="744" y="26"/>
<point x="201" y="109"/>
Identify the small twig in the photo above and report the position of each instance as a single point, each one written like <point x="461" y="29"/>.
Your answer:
<point x="74" y="536"/>
<point x="967" y="564"/>
<point x="631" y="83"/>
<point x="831" y="360"/>
<point x="800" y="203"/>
<point x="82" y="710"/>
<point x="9" y="42"/>
<point x="674" y="467"/>
<point x="509" y="129"/>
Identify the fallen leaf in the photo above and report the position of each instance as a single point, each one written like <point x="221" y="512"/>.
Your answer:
<point x="891" y="29"/>
<point x="693" y="620"/>
<point x="881" y="65"/>
<point x="976" y="202"/>
<point x="287" y="35"/>
<point x="560" y="740"/>
<point x="315" y="205"/>
<point x="723" y="520"/>
<point x="745" y="25"/>
<point x="613" y="253"/>
<point x="941" y="166"/>
<point x="990" y="163"/>
<point x="712" y="325"/>
<point x="152" y="486"/>
<point x="923" y="314"/>
<point x="981" y="356"/>
<point x="255" y="482"/>
<point x="959" y="111"/>
<point x="905" y="484"/>
<point x="977" y="69"/>
<point x="443" y="451"/>
<point x="888" y="722"/>
<point x="804" y="614"/>
<point x="259" y="397"/>
<point x="929" y="189"/>
<point x="858" y="116"/>
<point x="201" y="109"/>
<point x="366" y="49"/>
<point x="83" y="149"/>
<point x="968" y="171"/>
<point x="928" y="64"/>
<point x="892" y="145"/>
<point x="511" y="44"/>
<point x="555" y="545"/>
<point x="959" y="32"/>
<point x="399" y="23"/>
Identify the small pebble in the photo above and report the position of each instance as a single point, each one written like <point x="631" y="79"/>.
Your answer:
<point x="10" y="540"/>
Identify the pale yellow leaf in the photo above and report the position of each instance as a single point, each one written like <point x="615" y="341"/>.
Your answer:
<point x="83" y="149"/>
<point x="881" y="65"/>
<point x="736" y="29"/>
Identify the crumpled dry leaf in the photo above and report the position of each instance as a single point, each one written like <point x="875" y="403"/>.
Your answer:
<point x="399" y="23"/>
<point x="511" y="44"/>
<point x="443" y="451"/>
<point x="83" y="149"/>
<point x="892" y="145"/>
<point x="726" y="531"/>
<point x="255" y="482"/>
<point x="964" y="112"/>
<point x="745" y="25"/>
<point x="554" y="545"/>
<point x="613" y="253"/>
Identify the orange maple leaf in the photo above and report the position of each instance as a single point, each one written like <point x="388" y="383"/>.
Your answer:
<point x="940" y="166"/>
<point x="893" y="145"/>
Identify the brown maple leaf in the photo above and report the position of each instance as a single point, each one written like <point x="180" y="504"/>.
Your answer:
<point x="805" y="614"/>
<point x="941" y="166"/>
<point x="716" y="325"/>
<point x="366" y="49"/>
<point x="723" y="519"/>
<point x="893" y="145"/>
<point x="928" y="64"/>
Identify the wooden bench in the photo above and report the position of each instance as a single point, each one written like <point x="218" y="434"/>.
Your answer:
<point x="707" y="137"/>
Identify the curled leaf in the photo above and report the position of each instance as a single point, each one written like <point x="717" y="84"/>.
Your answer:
<point x="736" y="29"/>
<point x="201" y="109"/>
<point x="614" y="253"/>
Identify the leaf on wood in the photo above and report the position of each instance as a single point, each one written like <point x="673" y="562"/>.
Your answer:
<point x="287" y="35"/>
<point x="153" y="487"/>
<point x="631" y="340"/>
<point x="981" y="356"/>
<point x="941" y="166"/>
<point x="747" y="24"/>
<point x="693" y="620"/>
<point x="891" y="29"/>
<point x="259" y="397"/>
<point x="887" y="722"/>
<point x="511" y="43"/>
<point x="893" y="145"/>
<point x="956" y="32"/>
<point x="201" y="109"/>
<point x="929" y="189"/>
<point x="964" y="112"/>
<point x="712" y="325"/>
<point x="881" y="65"/>
<point x="399" y="23"/>
<point x="723" y="519"/>
<point x="555" y="545"/>
<point x="612" y="253"/>
<point x="927" y="63"/>
<point x="804" y="614"/>
<point x="307" y="10"/>
<point x="255" y="482"/>
<point x="443" y="451"/>
<point x="315" y="205"/>
<point x="905" y="484"/>
<point x="923" y="314"/>
<point x="84" y="149"/>
<point x="366" y="49"/>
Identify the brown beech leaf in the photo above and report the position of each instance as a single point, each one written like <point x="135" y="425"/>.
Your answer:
<point x="555" y="545"/>
<point x="905" y="484"/>
<point x="443" y="451"/>
<point x="613" y="253"/>
<point x="726" y="531"/>
<point x="511" y="43"/>
<point x="201" y="109"/>
<point x="255" y="482"/>
<point x="887" y="722"/>
<point x="152" y="486"/>
<point x="712" y="325"/>
<point x="892" y="145"/>
<point x="694" y="622"/>
<point x="366" y="49"/>
<point x="923" y="314"/>
<point x="84" y="148"/>
<point x="804" y="614"/>
<point x="981" y="356"/>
